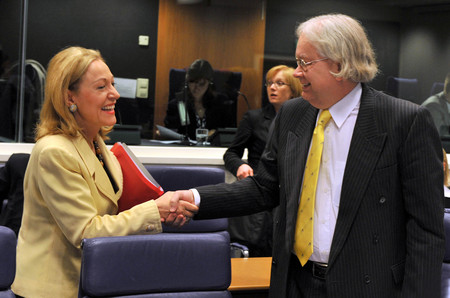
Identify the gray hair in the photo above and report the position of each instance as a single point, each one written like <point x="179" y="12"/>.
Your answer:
<point x="343" y="40"/>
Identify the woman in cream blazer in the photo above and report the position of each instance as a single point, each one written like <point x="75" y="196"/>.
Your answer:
<point x="73" y="182"/>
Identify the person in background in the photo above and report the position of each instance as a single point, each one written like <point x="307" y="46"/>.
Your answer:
<point x="73" y="182"/>
<point x="255" y="231"/>
<point x="439" y="107"/>
<point x="356" y="175"/>
<point x="446" y="181"/>
<point x="11" y="190"/>
<point x="204" y="106"/>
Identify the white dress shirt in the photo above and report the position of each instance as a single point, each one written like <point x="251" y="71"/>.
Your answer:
<point x="338" y="134"/>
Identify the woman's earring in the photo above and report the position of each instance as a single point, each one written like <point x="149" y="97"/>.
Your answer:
<point x="73" y="108"/>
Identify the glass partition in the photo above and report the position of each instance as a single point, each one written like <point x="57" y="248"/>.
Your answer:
<point x="142" y="40"/>
<point x="12" y="18"/>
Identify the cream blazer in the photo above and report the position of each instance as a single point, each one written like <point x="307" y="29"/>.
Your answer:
<point x="68" y="197"/>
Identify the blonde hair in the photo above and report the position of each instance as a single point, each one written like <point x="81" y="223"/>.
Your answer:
<point x="288" y="72"/>
<point x="446" y="169"/>
<point x="342" y="39"/>
<point x="65" y="71"/>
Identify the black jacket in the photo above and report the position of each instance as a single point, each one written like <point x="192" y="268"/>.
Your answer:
<point x="254" y="231"/>
<point x="251" y="134"/>
<point x="11" y="189"/>
<point x="389" y="238"/>
<point x="215" y="115"/>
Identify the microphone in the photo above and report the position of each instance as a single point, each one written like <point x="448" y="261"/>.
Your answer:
<point x="245" y="98"/>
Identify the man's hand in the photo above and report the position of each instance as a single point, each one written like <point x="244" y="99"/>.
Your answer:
<point x="176" y="211"/>
<point x="244" y="171"/>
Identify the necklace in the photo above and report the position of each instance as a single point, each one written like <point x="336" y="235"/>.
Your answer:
<point x="98" y="153"/>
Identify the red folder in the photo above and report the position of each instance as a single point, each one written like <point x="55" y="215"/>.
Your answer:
<point x="138" y="184"/>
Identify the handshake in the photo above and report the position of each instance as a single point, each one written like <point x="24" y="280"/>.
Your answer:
<point x="176" y="208"/>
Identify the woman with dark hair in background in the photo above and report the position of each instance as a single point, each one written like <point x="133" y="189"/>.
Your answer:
<point x="204" y="105"/>
<point x="255" y="231"/>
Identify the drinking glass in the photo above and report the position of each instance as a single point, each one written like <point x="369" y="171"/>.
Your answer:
<point x="201" y="135"/>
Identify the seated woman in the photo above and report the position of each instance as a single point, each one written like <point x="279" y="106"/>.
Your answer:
<point x="255" y="231"/>
<point x="73" y="182"/>
<point x="205" y="107"/>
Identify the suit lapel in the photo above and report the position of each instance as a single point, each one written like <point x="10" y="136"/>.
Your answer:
<point x="95" y="169"/>
<point x="365" y="149"/>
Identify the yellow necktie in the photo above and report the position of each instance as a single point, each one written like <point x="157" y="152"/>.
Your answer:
<point x="303" y="245"/>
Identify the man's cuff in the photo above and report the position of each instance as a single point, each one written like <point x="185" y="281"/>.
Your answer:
<point x="196" y="196"/>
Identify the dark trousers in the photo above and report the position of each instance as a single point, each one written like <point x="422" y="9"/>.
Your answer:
<point x="302" y="283"/>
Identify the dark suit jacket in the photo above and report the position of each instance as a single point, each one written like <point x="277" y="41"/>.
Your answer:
<point x="251" y="134"/>
<point x="11" y="189"/>
<point x="389" y="235"/>
<point x="254" y="231"/>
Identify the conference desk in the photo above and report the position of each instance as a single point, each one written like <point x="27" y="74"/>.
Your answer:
<point x="250" y="277"/>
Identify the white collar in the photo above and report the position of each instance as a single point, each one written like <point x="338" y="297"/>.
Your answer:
<point x="342" y="109"/>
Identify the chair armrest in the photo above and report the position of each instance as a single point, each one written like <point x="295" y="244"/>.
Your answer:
<point x="8" y="242"/>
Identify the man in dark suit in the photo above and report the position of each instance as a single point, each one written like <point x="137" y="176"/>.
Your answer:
<point x="378" y="217"/>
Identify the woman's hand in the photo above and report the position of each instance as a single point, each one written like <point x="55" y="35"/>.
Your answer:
<point x="244" y="171"/>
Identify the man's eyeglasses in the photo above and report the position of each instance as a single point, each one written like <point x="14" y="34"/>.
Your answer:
<point x="278" y="84"/>
<point x="304" y="65"/>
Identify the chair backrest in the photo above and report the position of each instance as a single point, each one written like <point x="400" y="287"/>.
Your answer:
<point x="8" y="244"/>
<point x="162" y="265"/>
<point x="403" y="88"/>
<point x="445" y="276"/>
<point x="436" y="88"/>
<point x="177" y="177"/>
<point x="173" y="178"/>
<point x="226" y="82"/>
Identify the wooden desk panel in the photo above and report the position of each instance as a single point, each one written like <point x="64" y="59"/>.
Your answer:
<point x="249" y="274"/>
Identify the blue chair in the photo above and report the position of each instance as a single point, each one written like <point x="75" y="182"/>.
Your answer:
<point x="8" y="243"/>
<point x="437" y="87"/>
<point x="163" y="265"/>
<point x="403" y="88"/>
<point x="173" y="178"/>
